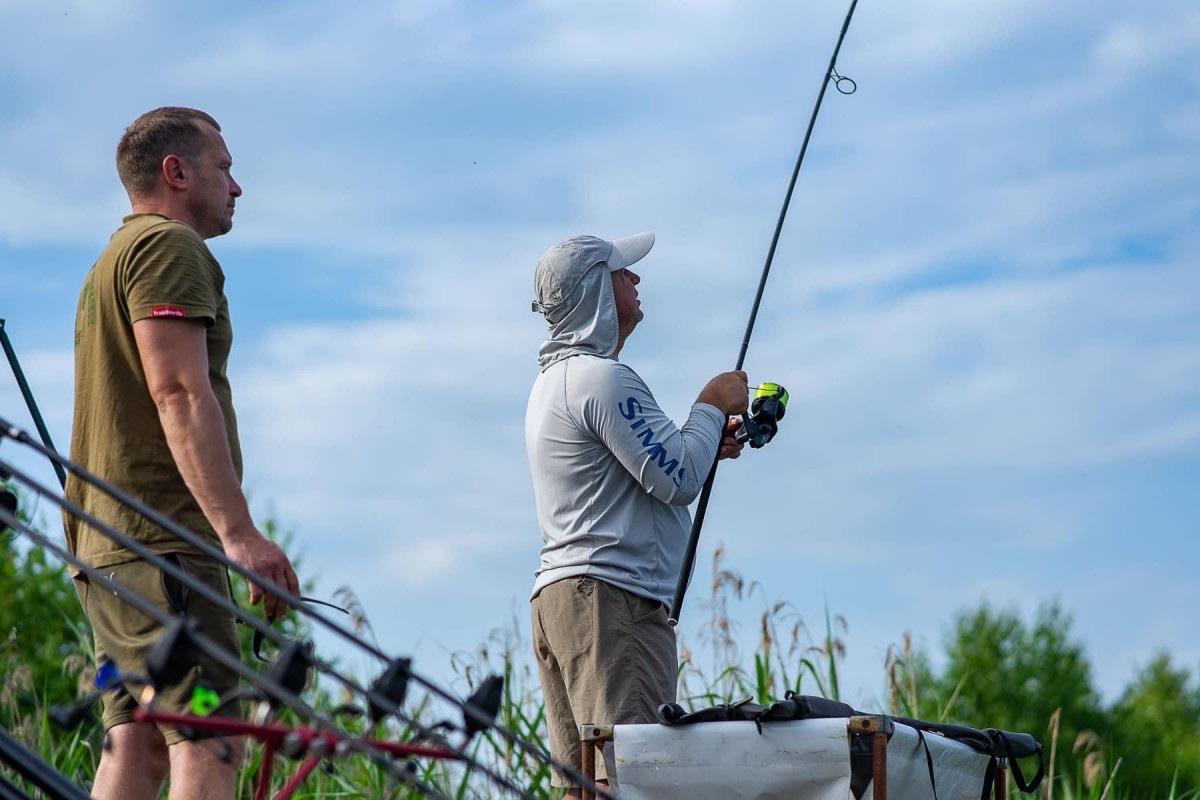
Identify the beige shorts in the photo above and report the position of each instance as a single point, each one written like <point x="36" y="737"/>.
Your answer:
<point x="604" y="656"/>
<point x="124" y="634"/>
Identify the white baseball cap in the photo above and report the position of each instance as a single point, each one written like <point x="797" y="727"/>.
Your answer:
<point x="564" y="265"/>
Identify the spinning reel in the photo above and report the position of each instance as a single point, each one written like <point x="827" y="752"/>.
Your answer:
<point x="761" y="423"/>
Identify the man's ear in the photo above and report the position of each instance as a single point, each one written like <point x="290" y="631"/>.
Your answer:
<point x="175" y="172"/>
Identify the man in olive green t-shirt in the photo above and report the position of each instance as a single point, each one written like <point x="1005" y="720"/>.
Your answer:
<point x="154" y="415"/>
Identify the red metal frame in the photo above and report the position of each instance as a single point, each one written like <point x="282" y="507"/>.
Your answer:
<point x="273" y="735"/>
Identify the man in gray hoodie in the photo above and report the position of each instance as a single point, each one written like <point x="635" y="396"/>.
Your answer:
<point x="612" y="478"/>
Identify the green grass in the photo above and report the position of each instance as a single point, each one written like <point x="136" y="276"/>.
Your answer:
<point x="785" y="656"/>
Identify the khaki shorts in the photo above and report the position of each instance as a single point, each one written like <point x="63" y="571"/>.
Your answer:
<point x="604" y="656"/>
<point x="123" y="634"/>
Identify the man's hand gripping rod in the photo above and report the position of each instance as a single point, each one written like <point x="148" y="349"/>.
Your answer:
<point x="689" y="555"/>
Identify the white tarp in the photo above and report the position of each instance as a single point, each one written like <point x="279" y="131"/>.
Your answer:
<point x="802" y="759"/>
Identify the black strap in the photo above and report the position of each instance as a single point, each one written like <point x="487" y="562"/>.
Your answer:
<point x="741" y="711"/>
<point x="979" y="741"/>
<point x="862" y="748"/>
<point x="1016" y="768"/>
<point x="989" y="777"/>
<point x="928" y="762"/>
<point x="801" y="706"/>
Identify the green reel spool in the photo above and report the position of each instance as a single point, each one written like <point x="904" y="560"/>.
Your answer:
<point x="204" y="701"/>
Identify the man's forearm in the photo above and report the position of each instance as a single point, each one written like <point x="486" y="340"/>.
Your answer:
<point x="700" y="450"/>
<point x="196" y="435"/>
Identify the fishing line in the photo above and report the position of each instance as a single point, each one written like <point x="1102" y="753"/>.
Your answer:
<point x="845" y="86"/>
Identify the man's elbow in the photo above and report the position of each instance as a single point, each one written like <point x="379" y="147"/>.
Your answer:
<point x="169" y="397"/>
<point x="685" y="493"/>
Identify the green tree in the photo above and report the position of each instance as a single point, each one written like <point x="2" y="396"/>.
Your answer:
<point x="1015" y="676"/>
<point x="1156" y="729"/>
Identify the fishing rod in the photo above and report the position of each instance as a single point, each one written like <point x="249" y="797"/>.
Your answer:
<point x="9" y="791"/>
<point x="180" y="633"/>
<point x="397" y="673"/>
<point x="845" y="86"/>
<point x="27" y="393"/>
<point x="376" y="698"/>
<point x="53" y="783"/>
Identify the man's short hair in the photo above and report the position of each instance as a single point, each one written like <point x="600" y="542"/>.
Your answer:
<point x="152" y="137"/>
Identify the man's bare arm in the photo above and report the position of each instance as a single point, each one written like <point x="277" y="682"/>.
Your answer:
<point x="174" y="357"/>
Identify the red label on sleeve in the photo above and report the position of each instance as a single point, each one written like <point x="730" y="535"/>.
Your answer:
<point x="167" y="311"/>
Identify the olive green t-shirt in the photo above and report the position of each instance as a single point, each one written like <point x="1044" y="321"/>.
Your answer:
<point x="153" y="267"/>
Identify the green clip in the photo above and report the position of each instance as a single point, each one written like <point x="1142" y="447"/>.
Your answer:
<point x="204" y="701"/>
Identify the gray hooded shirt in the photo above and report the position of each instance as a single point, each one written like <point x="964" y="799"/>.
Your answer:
<point x="612" y="474"/>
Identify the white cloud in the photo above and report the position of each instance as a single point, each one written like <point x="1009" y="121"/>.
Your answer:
<point x="983" y="303"/>
<point x="1132" y="46"/>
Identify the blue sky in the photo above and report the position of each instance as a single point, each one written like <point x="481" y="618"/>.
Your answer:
<point x="985" y="303"/>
